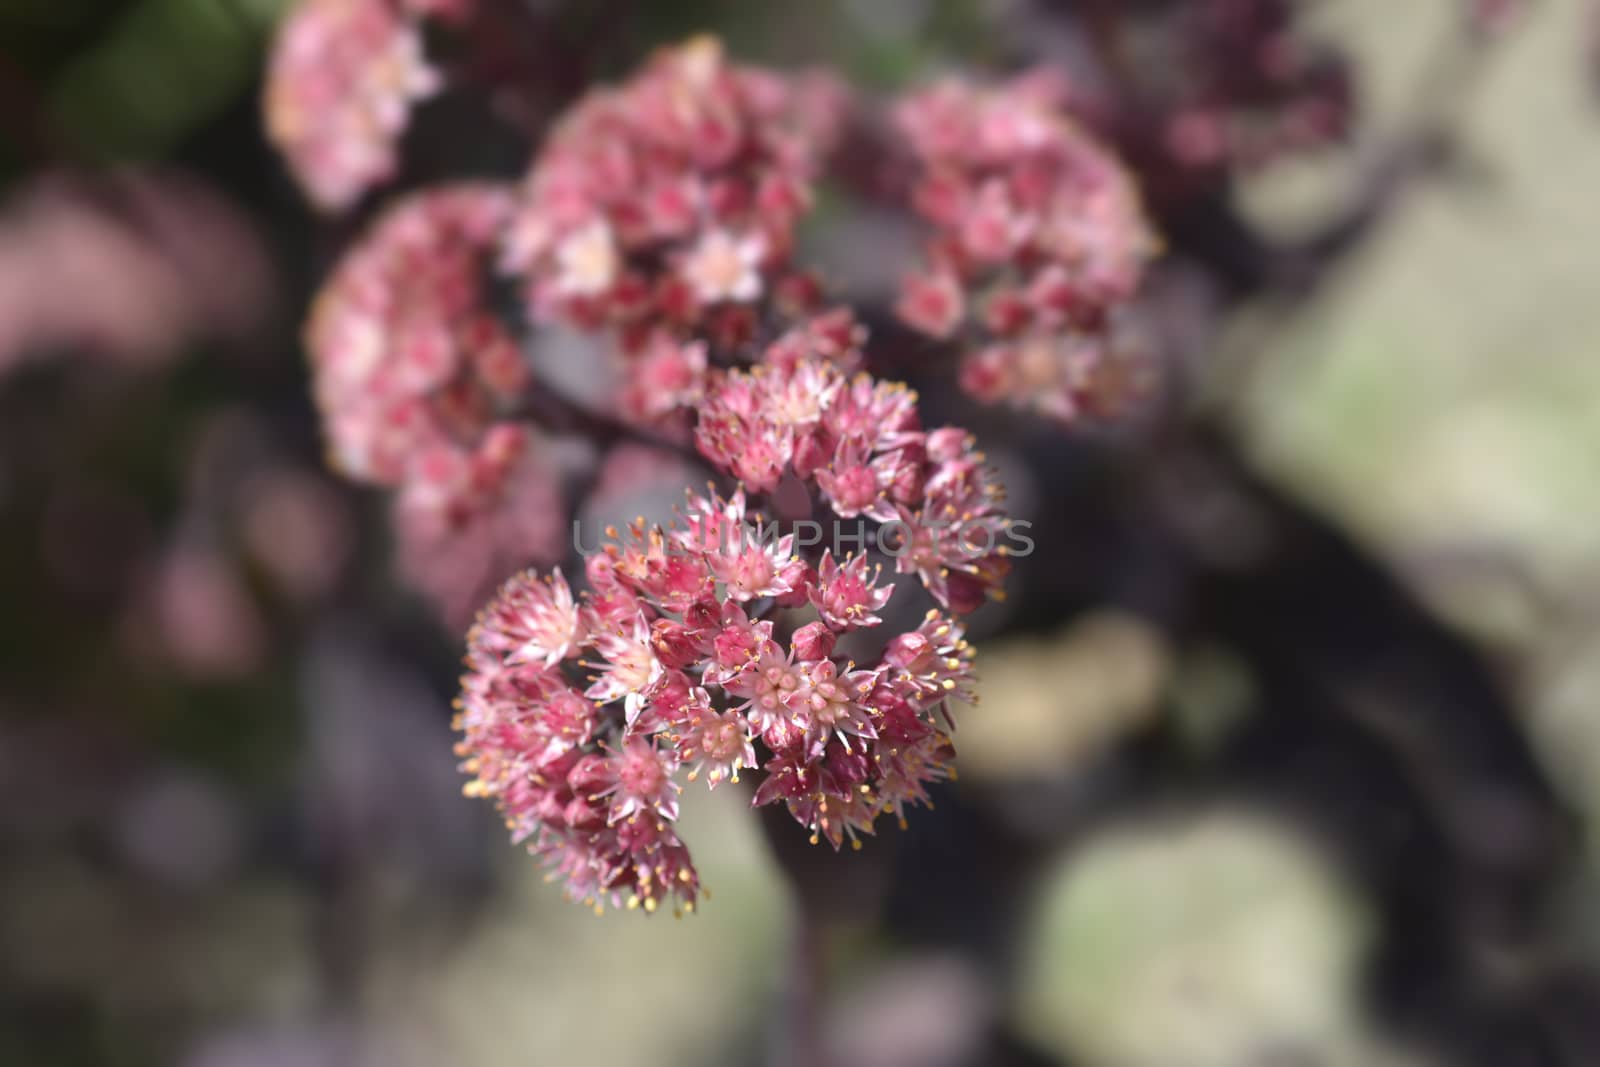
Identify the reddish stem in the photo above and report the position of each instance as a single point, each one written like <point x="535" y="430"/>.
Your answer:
<point x="561" y="414"/>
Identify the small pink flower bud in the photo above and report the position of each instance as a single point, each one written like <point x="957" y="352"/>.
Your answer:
<point x="813" y="641"/>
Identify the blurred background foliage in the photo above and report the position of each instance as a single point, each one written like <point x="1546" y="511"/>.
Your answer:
<point x="123" y="81"/>
<point x="253" y="853"/>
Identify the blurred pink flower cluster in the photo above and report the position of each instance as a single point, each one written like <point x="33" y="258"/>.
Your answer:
<point x="129" y="266"/>
<point x="411" y="365"/>
<point x="343" y="78"/>
<point x="688" y="675"/>
<point x="415" y="377"/>
<point x="1039" y="239"/>
<point x="127" y="269"/>
<point x="668" y="205"/>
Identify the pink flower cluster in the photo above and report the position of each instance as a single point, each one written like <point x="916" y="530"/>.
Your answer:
<point x="343" y="77"/>
<point x="861" y="444"/>
<point x="414" y="375"/>
<point x="666" y="207"/>
<point x="410" y="364"/>
<point x="681" y="671"/>
<point x="1039" y="238"/>
<point x="662" y="212"/>
<point x="417" y="377"/>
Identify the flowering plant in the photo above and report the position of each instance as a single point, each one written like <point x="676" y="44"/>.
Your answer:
<point x="661" y="217"/>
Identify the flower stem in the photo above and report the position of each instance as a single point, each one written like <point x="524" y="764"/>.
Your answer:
<point x="798" y="1038"/>
<point x="558" y="413"/>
